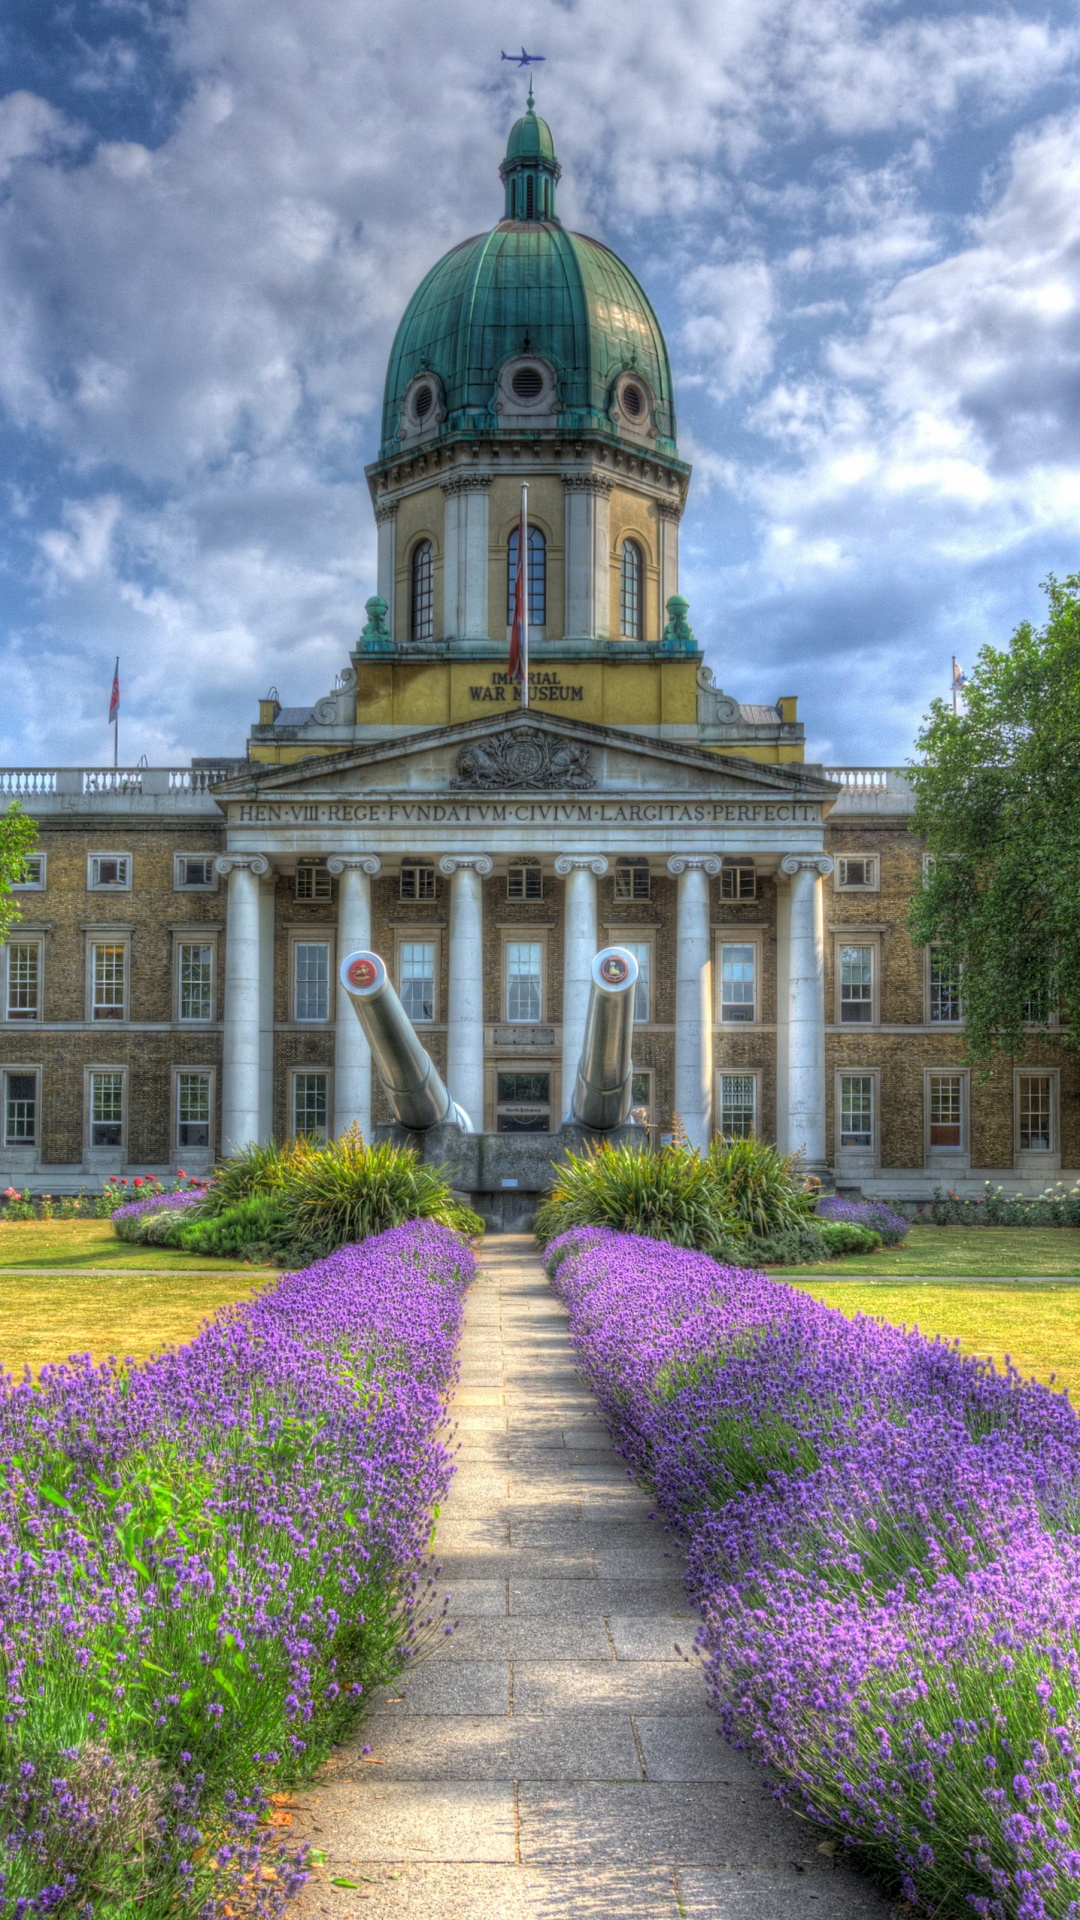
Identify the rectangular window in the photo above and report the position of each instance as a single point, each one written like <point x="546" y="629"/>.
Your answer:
<point x="109" y="872"/>
<point x="417" y="966"/>
<point x="1036" y="1007"/>
<point x="24" y="980"/>
<point x="313" y="881"/>
<point x="310" y="1104"/>
<point x="311" y="965"/>
<point x="523" y="1102"/>
<point x="33" y="875"/>
<point x="738" y="883"/>
<point x="945" y="1004"/>
<point x="1035" y="1096"/>
<point x="108" y="976"/>
<point x="106" y="1109"/>
<point x="857" y="874"/>
<point x="525" y="881"/>
<point x="641" y="1096"/>
<point x="20" y="1109"/>
<point x="524" y="979"/>
<point x="193" y="1110"/>
<point x="738" y="986"/>
<point x="196" y="977"/>
<point x="194" y="873"/>
<point x="856" y="985"/>
<point x="633" y="880"/>
<point x="946" y="1110"/>
<point x="642" y="952"/>
<point x="737" y="1103"/>
<point x="856" y="1110"/>
<point x="417" y="881"/>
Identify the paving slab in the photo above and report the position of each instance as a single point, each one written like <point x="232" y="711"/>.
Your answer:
<point x="733" y="1893"/>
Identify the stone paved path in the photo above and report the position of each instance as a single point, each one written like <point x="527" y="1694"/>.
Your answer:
<point x="555" y="1757"/>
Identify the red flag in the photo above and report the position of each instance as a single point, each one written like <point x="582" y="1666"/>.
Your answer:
<point x="114" y="700"/>
<point x="519" y="632"/>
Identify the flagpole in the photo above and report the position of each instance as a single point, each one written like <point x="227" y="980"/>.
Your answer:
<point x="523" y="564"/>
<point x="116" y="717"/>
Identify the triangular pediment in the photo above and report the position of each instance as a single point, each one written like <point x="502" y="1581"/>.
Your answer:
<point x="525" y="754"/>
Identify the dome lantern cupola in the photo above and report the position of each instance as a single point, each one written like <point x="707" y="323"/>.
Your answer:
<point x="530" y="171"/>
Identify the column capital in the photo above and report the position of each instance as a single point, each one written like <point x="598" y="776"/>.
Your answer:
<point x="386" y="510"/>
<point x="466" y="482"/>
<point x="595" y="483"/>
<point x="707" y="862"/>
<point x="574" y="862"/>
<point x="254" y="863"/>
<point x="793" y="863"/>
<point x="365" y="862"/>
<point x="480" y="862"/>
<point x="670" y="510"/>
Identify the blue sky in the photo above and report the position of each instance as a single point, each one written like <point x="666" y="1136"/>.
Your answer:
<point x="860" y="225"/>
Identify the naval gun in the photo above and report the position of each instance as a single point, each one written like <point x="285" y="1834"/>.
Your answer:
<point x="603" y="1092"/>
<point x="417" y="1095"/>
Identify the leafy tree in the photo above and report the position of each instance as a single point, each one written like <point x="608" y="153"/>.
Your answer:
<point x="18" y="837"/>
<point x="998" y="797"/>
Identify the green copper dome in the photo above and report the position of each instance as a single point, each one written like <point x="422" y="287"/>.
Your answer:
<point x="529" y="288"/>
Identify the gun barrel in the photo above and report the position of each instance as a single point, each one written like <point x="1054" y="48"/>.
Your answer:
<point x="416" y="1093"/>
<point x="604" y="1089"/>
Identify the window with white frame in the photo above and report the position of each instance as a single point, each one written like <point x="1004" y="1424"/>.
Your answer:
<point x="856" y="966"/>
<point x="525" y="880"/>
<point x="24" y="980"/>
<point x="946" y="1007"/>
<point x="193" y="1097"/>
<point x="738" y="982"/>
<point x="20" y="1108"/>
<point x="313" y="881"/>
<point x="945" y="1093"/>
<point x="642" y="952"/>
<point x="311" y="980"/>
<point x="106" y="1108"/>
<point x="524" y="980"/>
<point x="311" y="1104"/>
<point x="856" y="1109"/>
<point x="195" y="981"/>
<point x="1035" y="1112"/>
<point x="738" y="880"/>
<point x="416" y="880"/>
<point x="738" y="1105"/>
<point x="416" y="976"/>
<point x="108" y="980"/>
<point x="194" y="873"/>
<point x="32" y="879"/>
<point x="856" y="873"/>
<point x="633" y="880"/>
<point x="108" y="872"/>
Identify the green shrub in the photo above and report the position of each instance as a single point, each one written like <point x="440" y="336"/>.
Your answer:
<point x="762" y="1188"/>
<point x="846" y="1236"/>
<point x="671" y="1195"/>
<point x="346" y="1190"/>
<point x="260" y="1167"/>
<point x="792" y="1246"/>
<point x="254" y="1229"/>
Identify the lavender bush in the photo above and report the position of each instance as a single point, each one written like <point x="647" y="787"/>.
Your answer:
<point x="205" y="1563"/>
<point x="133" y="1220"/>
<point x="884" y="1540"/>
<point x="875" y="1214"/>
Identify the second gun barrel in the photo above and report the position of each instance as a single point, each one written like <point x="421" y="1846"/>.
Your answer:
<point x="603" y="1094"/>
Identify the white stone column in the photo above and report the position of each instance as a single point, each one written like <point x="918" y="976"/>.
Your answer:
<point x="352" y="1055"/>
<point x="240" y="1051"/>
<point x="670" y="516"/>
<point x="581" y="872"/>
<point x="465" y="1012"/>
<point x="588" y="560"/>
<point x="693" y="996"/>
<point x="806" y="1008"/>
<point x="385" y="520"/>
<point x="465" y="557"/>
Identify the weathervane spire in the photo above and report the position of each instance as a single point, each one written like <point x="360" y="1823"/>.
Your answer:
<point x="530" y="102"/>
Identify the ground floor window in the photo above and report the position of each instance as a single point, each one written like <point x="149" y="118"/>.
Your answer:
<point x="20" y="1109"/>
<point x="856" y="1110"/>
<point x="737" y="1105"/>
<point x="106" y="1109"/>
<point x="1035" y="1096"/>
<point x="311" y="1104"/>
<point x="641" y="1098"/>
<point x="523" y="1101"/>
<point x="946" y="1110"/>
<point x="193" y="1110"/>
<point x="524" y="980"/>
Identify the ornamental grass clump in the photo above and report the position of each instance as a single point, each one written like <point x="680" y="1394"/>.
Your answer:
<point x="883" y="1537"/>
<point x="206" y="1562"/>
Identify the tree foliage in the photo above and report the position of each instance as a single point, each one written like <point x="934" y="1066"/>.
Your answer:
<point x="18" y="838"/>
<point x="998" y="798"/>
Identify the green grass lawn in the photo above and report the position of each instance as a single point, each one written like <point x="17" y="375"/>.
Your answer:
<point x="977" y="1253"/>
<point x="83" y="1245"/>
<point x="1038" y="1326"/>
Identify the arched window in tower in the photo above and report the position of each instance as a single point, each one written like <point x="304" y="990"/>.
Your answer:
<point x="422" y="610"/>
<point x="632" y="583"/>
<point x="537" y="580"/>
